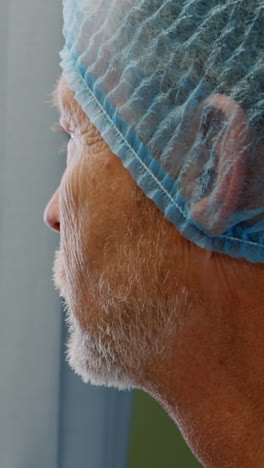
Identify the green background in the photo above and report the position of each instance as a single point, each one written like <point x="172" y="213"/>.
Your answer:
<point x="155" y="440"/>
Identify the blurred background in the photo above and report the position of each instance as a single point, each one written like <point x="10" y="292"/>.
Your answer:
<point x="49" y="418"/>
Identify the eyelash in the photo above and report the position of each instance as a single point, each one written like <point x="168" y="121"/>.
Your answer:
<point x="64" y="147"/>
<point x="57" y="128"/>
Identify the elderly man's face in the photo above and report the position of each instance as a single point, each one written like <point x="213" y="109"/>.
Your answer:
<point x="113" y="264"/>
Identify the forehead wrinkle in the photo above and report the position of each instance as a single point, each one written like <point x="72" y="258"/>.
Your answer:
<point x="68" y="105"/>
<point x="62" y="96"/>
<point x="72" y="111"/>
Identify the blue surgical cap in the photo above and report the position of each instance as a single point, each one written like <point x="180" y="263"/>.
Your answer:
<point x="176" y="89"/>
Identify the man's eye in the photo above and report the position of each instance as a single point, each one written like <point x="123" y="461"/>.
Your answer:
<point x="64" y="147"/>
<point x="57" y="128"/>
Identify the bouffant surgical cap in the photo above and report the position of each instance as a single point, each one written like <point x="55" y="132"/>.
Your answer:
<point x="176" y="89"/>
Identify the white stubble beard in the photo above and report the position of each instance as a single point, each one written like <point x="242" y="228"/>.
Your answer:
<point x="114" y="352"/>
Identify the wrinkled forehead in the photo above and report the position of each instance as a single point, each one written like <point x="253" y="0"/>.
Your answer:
<point x="68" y="107"/>
<point x="63" y="97"/>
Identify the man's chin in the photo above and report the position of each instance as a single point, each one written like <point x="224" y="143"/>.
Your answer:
<point x="89" y="362"/>
<point x="86" y="357"/>
<point x="123" y="332"/>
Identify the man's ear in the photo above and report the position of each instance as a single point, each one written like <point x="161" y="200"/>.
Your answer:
<point x="216" y="180"/>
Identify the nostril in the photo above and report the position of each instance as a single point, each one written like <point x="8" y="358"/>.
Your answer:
<point x="56" y="226"/>
<point x="52" y="214"/>
<point x="52" y="221"/>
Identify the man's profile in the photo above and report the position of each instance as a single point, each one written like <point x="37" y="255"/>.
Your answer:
<point x="160" y="211"/>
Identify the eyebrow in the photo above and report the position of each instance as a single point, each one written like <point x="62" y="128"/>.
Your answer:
<point x="55" y="97"/>
<point x="57" y="128"/>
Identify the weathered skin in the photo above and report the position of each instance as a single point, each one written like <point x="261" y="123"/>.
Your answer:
<point x="184" y="324"/>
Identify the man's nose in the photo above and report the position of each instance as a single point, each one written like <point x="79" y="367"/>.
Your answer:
<point x="52" y="213"/>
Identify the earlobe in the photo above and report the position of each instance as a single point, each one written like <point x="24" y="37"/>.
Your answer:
<point x="220" y="124"/>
